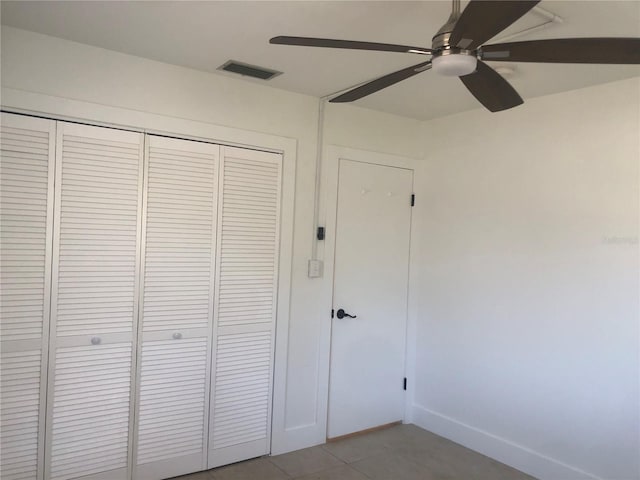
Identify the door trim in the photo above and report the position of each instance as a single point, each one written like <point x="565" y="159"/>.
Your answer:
<point x="328" y="217"/>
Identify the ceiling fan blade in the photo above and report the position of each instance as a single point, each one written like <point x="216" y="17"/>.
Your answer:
<point x="490" y="89"/>
<point x="380" y="83"/>
<point x="348" y="44"/>
<point x="567" y="50"/>
<point x="484" y="19"/>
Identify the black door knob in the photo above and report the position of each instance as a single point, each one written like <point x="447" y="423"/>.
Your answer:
<point x="341" y="314"/>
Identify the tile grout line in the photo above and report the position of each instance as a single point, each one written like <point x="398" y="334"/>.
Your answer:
<point x="269" y="457"/>
<point x="349" y="464"/>
<point x="334" y="456"/>
<point x="321" y="446"/>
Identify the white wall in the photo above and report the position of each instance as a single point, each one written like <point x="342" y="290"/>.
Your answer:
<point x="528" y="334"/>
<point x="59" y="68"/>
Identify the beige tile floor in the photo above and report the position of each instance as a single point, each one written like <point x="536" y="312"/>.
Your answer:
<point x="402" y="452"/>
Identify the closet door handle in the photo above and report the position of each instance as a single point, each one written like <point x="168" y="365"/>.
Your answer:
<point x="177" y="336"/>
<point x="96" y="340"/>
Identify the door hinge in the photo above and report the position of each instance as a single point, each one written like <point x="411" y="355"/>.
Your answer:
<point x="413" y="199"/>
<point x="404" y="383"/>
<point x="332" y="313"/>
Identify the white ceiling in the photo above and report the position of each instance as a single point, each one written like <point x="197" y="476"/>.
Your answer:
<point x="203" y="35"/>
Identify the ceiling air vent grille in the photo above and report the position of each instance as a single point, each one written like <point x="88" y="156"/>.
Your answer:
<point x="249" y="70"/>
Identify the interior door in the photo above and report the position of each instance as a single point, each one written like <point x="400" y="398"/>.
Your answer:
<point x="371" y="272"/>
<point x="93" y="302"/>
<point x="177" y="307"/>
<point x="26" y="190"/>
<point x="245" y="305"/>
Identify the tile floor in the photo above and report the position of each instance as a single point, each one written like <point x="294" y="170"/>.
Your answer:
<point x="402" y="452"/>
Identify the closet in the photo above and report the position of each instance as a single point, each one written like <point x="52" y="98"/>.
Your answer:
<point x="139" y="284"/>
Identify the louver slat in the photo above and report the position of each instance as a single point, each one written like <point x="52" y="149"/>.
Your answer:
<point x="245" y="306"/>
<point x="20" y="412"/>
<point x="179" y="243"/>
<point x="172" y="400"/>
<point x="180" y="226"/>
<point x="26" y="193"/>
<point x="76" y="449"/>
<point x="94" y="302"/>
<point x="240" y="425"/>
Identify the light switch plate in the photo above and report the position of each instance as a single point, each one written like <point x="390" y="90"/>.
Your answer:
<point x="315" y="268"/>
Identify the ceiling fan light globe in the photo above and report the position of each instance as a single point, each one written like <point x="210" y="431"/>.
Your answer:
<point x="454" y="65"/>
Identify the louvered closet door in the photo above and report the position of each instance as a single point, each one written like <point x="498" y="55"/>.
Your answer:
<point x="177" y="304"/>
<point x="246" y="291"/>
<point x="26" y="198"/>
<point x="94" y="301"/>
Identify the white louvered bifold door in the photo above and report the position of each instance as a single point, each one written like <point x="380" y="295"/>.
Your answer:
<point x="245" y="313"/>
<point x="94" y="301"/>
<point x="177" y="307"/>
<point x="26" y="191"/>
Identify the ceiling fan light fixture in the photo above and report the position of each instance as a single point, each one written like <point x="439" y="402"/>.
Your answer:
<point x="454" y="64"/>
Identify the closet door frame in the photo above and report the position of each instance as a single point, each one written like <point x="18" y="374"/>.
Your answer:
<point x="283" y="437"/>
<point x="41" y="124"/>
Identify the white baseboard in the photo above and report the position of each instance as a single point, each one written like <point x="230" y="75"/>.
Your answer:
<point x="516" y="456"/>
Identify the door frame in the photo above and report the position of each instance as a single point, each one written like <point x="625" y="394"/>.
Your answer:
<point x="328" y="214"/>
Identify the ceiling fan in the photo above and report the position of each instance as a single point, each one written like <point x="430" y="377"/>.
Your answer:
<point x="458" y="50"/>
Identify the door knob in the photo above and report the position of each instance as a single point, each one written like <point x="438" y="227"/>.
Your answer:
<point x="341" y="314"/>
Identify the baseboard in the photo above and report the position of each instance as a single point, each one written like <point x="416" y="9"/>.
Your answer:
<point x="516" y="456"/>
<point x="364" y="432"/>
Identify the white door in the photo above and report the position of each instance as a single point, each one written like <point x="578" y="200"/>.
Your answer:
<point x="370" y="283"/>
<point x="26" y="191"/>
<point x="245" y="306"/>
<point x="177" y="307"/>
<point x="93" y="302"/>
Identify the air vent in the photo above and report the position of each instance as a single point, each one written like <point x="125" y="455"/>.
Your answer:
<point x="249" y="70"/>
